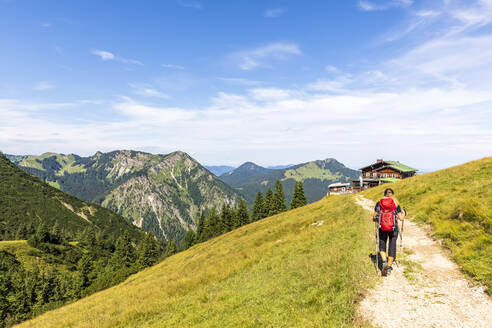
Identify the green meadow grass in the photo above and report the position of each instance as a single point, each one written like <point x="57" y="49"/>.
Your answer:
<point x="307" y="267"/>
<point x="310" y="171"/>
<point x="30" y="257"/>
<point x="457" y="204"/>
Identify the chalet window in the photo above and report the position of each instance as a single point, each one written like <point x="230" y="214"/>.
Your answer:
<point x="385" y="175"/>
<point x="393" y="175"/>
<point x="368" y="174"/>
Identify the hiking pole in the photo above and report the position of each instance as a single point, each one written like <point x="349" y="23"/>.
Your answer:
<point x="401" y="230"/>
<point x="376" y="238"/>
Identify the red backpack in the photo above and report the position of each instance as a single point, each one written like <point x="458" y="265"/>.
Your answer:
<point x="387" y="214"/>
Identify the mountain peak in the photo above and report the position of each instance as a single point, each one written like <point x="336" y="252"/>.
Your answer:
<point x="250" y="166"/>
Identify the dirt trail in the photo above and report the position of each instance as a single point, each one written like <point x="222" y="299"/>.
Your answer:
<point x="429" y="291"/>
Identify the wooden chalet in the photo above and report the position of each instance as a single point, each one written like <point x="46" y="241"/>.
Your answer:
<point x="382" y="172"/>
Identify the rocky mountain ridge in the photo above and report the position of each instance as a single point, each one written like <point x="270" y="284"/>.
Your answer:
<point x="160" y="193"/>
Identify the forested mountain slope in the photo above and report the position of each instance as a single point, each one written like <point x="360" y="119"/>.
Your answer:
<point x="55" y="248"/>
<point x="26" y="202"/>
<point x="316" y="176"/>
<point x="160" y="193"/>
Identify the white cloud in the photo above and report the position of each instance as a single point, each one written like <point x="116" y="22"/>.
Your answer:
<point x="258" y="57"/>
<point x="427" y="13"/>
<point x="43" y="86"/>
<point x="338" y="84"/>
<point x="371" y="6"/>
<point x="433" y="101"/>
<point x="173" y="66"/>
<point x="331" y="69"/>
<point x="106" y="55"/>
<point x="269" y="94"/>
<point x="274" y="12"/>
<point x="148" y="91"/>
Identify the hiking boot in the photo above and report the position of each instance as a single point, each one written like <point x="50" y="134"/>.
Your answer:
<point x="388" y="270"/>
<point x="384" y="265"/>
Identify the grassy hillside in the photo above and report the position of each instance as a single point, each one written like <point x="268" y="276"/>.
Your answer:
<point x="305" y="268"/>
<point x="31" y="257"/>
<point x="457" y="203"/>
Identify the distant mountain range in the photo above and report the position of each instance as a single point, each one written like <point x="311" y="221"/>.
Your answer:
<point x="279" y="167"/>
<point x="160" y="193"/>
<point x="219" y="169"/>
<point x="250" y="178"/>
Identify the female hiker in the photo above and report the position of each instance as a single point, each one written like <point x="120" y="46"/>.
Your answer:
<point x="387" y="212"/>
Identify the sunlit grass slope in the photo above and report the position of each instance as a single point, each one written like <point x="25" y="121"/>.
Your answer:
<point x="457" y="203"/>
<point x="30" y="256"/>
<point x="303" y="268"/>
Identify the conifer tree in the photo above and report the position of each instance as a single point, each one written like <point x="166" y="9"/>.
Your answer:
<point x="148" y="251"/>
<point x="84" y="267"/>
<point x="226" y="218"/>
<point x="301" y="197"/>
<point x="212" y="224"/>
<point x="298" y="198"/>
<point x="42" y="234"/>
<point x="171" y="248"/>
<point x="258" y="207"/>
<point x="278" y="198"/>
<point x="124" y="253"/>
<point x="200" y="228"/>
<point x="242" y="215"/>
<point x="189" y="239"/>
<point x="268" y="203"/>
<point x="55" y="233"/>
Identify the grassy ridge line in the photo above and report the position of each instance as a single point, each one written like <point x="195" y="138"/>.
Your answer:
<point x="457" y="204"/>
<point x="289" y="270"/>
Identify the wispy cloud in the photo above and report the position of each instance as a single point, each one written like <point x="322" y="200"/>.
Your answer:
<point x="147" y="91"/>
<point x="443" y="19"/>
<point x="173" y="66"/>
<point x="43" y="86"/>
<point x="274" y="12"/>
<point x="270" y="94"/>
<point x="331" y="69"/>
<point x="190" y="4"/>
<point x="366" y="5"/>
<point x="261" y="56"/>
<point x="336" y="85"/>
<point x="106" y="55"/>
<point x="240" y="81"/>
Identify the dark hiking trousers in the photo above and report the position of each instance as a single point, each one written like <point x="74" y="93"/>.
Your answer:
<point x="383" y="237"/>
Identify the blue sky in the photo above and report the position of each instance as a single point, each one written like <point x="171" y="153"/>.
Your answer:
<point x="272" y="82"/>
